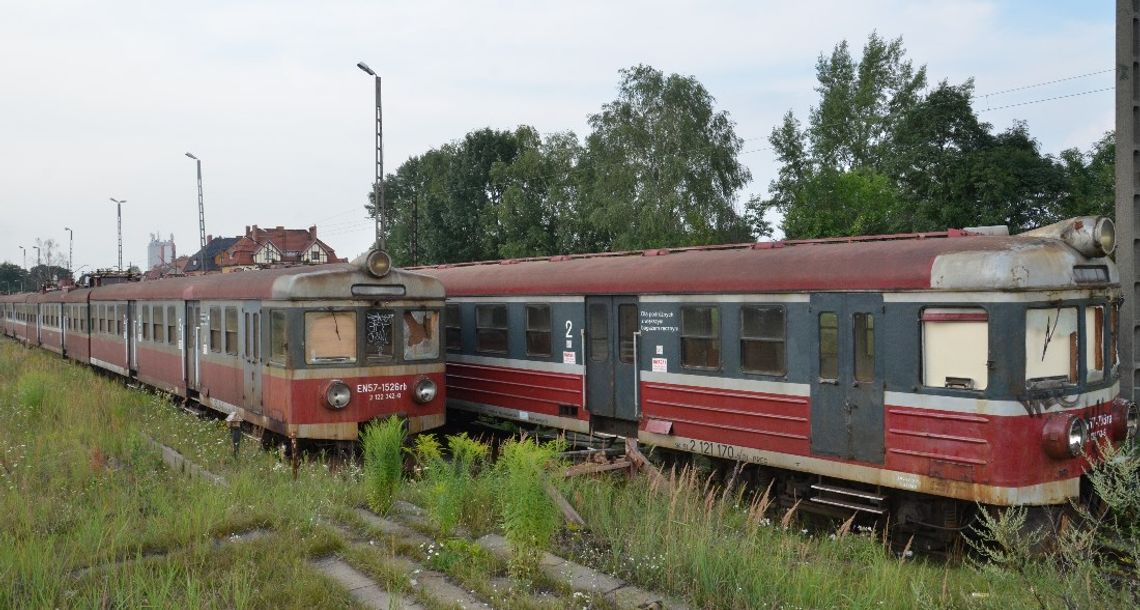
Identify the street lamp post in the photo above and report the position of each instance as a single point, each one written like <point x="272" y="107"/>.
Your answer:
<point x="119" y="213"/>
<point x="36" y="286"/>
<point x="70" y="249"/>
<point x="378" y="185"/>
<point x="201" y="217"/>
<point x="25" y="251"/>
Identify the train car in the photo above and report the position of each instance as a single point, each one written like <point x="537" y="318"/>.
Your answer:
<point x="899" y="374"/>
<point x="310" y="352"/>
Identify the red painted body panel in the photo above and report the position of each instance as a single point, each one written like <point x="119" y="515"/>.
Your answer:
<point x="307" y="405"/>
<point x="771" y="422"/>
<point x="524" y="390"/>
<point x="109" y="348"/>
<point x="161" y="366"/>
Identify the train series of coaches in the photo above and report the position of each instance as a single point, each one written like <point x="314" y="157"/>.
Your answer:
<point x="917" y="375"/>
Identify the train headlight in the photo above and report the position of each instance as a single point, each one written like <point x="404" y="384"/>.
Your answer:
<point x="337" y="394"/>
<point x="378" y="263"/>
<point x="1065" y="437"/>
<point x="425" y="391"/>
<point x="1104" y="233"/>
<point x="1078" y="435"/>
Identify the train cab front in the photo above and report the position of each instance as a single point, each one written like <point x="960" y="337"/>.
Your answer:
<point x="368" y="357"/>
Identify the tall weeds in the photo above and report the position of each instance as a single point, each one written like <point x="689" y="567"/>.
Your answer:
<point x="529" y="517"/>
<point x="383" y="461"/>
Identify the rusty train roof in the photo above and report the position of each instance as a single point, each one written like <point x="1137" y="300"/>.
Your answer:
<point x="954" y="260"/>
<point x="332" y="281"/>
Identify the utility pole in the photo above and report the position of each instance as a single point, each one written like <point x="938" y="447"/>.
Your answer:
<point x="70" y="250"/>
<point x="119" y="213"/>
<point x="378" y="185"/>
<point x="25" y="251"/>
<point x="201" y="217"/>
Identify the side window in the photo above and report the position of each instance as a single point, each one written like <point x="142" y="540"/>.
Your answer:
<point x="762" y="332"/>
<point x="330" y="337"/>
<point x="421" y="334"/>
<point x="378" y="341"/>
<point x="172" y="325"/>
<point x="599" y="332"/>
<point x="700" y="337"/>
<point x="453" y="327"/>
<point x="1113" y="329"/>
<point x="538" y="330"/>
<point x="256" y="332"/>
<point x="120" y="314"/>
<point x="246" y="347"/>
<point x="1051" y="345"/>
<point x="828" y="345"/>
<point x="864" y="344"/>
<point x="101" y="315"/>
<point x="216" y="330"/>
<point x="1094" y="342"/>
<point x="159" y="324"/>
<point x="278" y="348"/>
<point x="231" y="331"/>
<point x="491" y="329"/>
<point x="955" y="348"/>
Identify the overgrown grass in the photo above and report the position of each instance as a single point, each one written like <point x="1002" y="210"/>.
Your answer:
<point x="90" y="517"/>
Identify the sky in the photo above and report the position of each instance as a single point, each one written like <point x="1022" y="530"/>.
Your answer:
<point x="102" y="99"/>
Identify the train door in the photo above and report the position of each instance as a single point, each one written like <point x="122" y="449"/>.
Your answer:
<point x="191" y="336"/>
<point x="251" y="354"/>
<point x="847" y="380"/>
<point x="611" y="363"/>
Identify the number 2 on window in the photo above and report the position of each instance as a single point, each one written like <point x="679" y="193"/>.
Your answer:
<point x="569" y="327"/>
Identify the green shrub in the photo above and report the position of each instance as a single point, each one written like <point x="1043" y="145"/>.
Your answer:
<point x="32" y="390"/>
<point x="383" y="461"/>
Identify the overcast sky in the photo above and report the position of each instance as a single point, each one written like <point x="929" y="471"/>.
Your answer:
<point x="101" y="99"/>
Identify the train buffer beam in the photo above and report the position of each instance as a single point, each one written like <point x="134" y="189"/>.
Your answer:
<point x="848" y="498"/>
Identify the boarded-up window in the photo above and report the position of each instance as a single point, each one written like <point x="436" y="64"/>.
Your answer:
<point x="828" y="345"/>
<point x="216" y="330"/>
<point x="1094" y="342"/>
<point x="491" y="328"/>
<point x="700" y="337"/>
<point x="955" y="348"/>
<point x="1051" y="345"/>
<point x="538" y="330"/>
<point x="330" y="337"/>
<point x="379" y="344"/>
<point x="421" y="334"/>
<point x="278" y="348"/>
<point x="453" y="322"/>
<point x="762" y="340"/>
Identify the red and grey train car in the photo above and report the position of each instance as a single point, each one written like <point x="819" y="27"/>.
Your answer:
<point x="899" y="373"/>
<point x="310" y="352"/>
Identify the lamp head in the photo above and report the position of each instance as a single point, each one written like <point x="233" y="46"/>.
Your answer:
<point x="364" y="66"/>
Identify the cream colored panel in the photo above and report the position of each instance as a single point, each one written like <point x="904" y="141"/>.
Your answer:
<point x="1094" y="342"/>
<point x="330" y="336"/>
<point x="955" y="349"/>
<point x="1048" y="349"/>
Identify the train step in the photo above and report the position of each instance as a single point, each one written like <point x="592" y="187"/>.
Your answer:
<point x="851" y="499"/>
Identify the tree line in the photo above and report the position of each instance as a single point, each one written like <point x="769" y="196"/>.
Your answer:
<point x="881" y="152"/>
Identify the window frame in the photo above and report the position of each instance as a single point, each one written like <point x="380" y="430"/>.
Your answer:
<point x="714" y="340"/>
<point x="504" y="330"/>
<point x="532" y="333"/>
<point x="762" y="340"/>
<point x="453" y="323"/>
